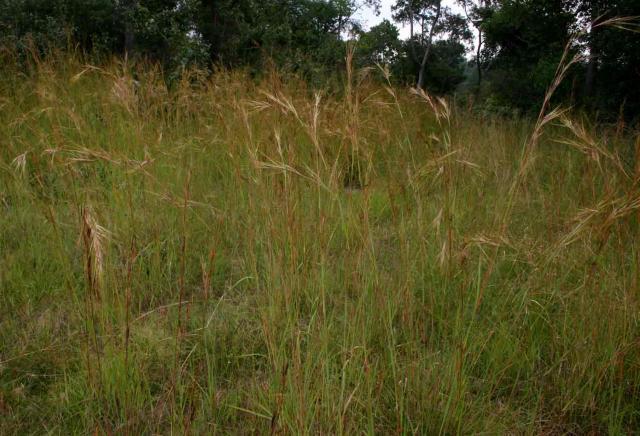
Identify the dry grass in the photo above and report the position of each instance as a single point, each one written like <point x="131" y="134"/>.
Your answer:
<point x="238" y="257"/>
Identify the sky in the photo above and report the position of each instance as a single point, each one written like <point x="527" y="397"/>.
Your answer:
<point x="368" y="17"/>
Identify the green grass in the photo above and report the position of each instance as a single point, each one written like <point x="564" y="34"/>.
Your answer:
<point x="233" y="257"/>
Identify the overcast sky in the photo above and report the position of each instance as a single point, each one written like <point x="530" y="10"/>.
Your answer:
<point x="368" y="17"/>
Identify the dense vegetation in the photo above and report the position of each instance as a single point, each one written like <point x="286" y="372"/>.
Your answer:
<point x="513" y="45"/>
<point x="235" y="217"/>
<point x="236" y="256"/>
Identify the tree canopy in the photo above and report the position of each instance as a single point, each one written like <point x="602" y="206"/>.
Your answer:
<point x="513" y="45"/>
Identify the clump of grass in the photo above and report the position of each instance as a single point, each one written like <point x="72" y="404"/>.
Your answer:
<point x="461" y="283"/>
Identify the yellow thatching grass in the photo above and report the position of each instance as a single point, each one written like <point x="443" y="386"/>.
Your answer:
<point x="284" y="260"/>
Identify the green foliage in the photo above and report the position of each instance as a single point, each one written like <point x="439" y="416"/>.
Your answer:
<point x="381" y="44"/>
<point x="445" y="70"/>
<point x="162" y="30"/>
<point x="525" y="40"/>
<point x="614" y="59"/>
<point x="42" y="21"/>
<point x="303" y="36"/>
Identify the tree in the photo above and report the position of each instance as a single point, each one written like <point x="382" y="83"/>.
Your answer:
<point x="525" y="40"/>
<point x="301" y="35"/>
<point x="475" y="12"/>
<point x="46" y="23"/>
<point x="158" y="29"/>
<point x="612" y="71"/>
<point x="434" y="20"/>
<point x="423" y="12"/>
<point x="381" y="44"/>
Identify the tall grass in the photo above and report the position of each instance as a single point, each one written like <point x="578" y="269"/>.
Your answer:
<point x="232" y="257"/>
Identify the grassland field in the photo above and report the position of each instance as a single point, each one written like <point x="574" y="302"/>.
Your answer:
<point x="237" y="256"/>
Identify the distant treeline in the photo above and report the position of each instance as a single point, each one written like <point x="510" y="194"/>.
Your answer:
<point x="514" y="46"/>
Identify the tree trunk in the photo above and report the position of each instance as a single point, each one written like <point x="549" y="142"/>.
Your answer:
<point x="411" y="25"/>
<point x="590" y="75"/>
<point x="479" y="48"/>
<point x="478" y="61"/>
<point x="412" y="43"/>
<point x="129" y="33"/>
<point x="425" y="58"/>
